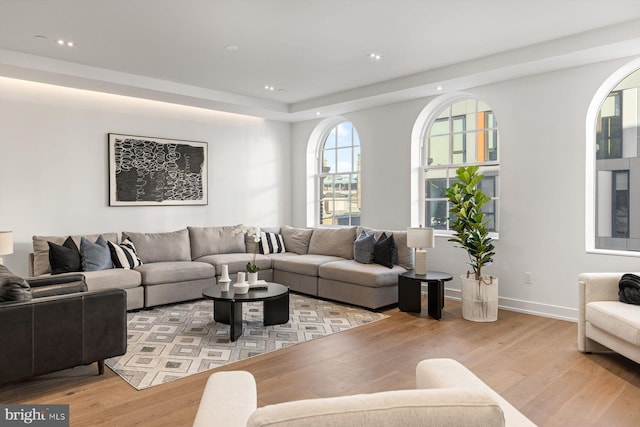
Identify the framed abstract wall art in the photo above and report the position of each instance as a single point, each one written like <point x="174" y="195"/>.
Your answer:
<point x="147" y="171"/>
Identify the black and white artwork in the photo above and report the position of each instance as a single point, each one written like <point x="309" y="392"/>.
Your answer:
<point x="146" y="171"/>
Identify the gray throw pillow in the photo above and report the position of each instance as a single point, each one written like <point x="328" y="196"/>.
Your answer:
<point x="363" y="248"/>
<point x="95" y="256"/>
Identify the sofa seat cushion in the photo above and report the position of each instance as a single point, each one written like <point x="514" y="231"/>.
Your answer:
<point x="617" y="318"/>
<point x="455" y="407"/>
<point x="160" y="273"/>
<point x="303" y="264"/>
<point x="236" y="262"/>
<point x="351" y="271"/>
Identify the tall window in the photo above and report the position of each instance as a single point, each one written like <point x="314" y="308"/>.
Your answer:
<point x="463" y="133"/>
<point x="617" y="168"/>
<point x="339" y="176"/>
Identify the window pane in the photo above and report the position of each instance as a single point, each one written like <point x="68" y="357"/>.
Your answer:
<point x="326" y="201"/>
<point x="490" y="215"/>
<point x="440" y="127"/>
<point x="330" y="142"/>
<point x="438" y="150"/>
<point x="345" y="160"/>
<point x="436" y="188"/>
<point x="345" y="134"/>
<point x="459" y="149"/>
<point x="462" y="108"/>
<point x="437" y="213"/>
<point x="356" y="159"/>
<point x="356" y="137"/>
<point x="459" y="123"/>
<point x="329" y="161"/>
<point x="488" y="186"/>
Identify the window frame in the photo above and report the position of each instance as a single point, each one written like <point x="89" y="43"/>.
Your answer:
<point x="433" y="118"/>
<point x="591" y="207"/>
<point x="351" y="174"/>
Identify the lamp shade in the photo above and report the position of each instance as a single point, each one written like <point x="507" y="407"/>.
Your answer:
<point x="6" y="242"/>
<point x="420" y="237"/>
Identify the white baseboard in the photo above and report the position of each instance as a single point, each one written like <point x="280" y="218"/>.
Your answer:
<point x="527" y="307"/>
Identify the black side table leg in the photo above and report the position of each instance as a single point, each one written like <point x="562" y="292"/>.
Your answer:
<point x="409" y="295"/>
<point x="435" y="300"/>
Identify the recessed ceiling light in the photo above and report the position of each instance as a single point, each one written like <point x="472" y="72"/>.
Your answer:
<point x="62" y="42"/>
<point x="439" y="88"/>
<point x="269" y="87"/>
<point x="317" y="113"/>
<point x="375" y="56"/>
<point x="232" y="47"/>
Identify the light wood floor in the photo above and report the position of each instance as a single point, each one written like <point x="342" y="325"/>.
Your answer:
<point x="532" y="361"/>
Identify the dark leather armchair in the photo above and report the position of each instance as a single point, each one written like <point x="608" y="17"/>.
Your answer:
<point x="61" y="327"/>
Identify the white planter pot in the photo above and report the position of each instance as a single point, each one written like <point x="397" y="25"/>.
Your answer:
<point x="480" y="299"/>
<point x="252" y="278"/>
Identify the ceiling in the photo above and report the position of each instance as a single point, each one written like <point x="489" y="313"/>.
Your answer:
<point x="220" y="54"/>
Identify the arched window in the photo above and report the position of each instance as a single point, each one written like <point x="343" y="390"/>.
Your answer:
<point x="462" y="132"/>
<point x="613" y="163"/>
<point x="339" y="189"/>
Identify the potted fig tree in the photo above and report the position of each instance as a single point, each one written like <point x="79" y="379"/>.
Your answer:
<point x="469" y="223"/>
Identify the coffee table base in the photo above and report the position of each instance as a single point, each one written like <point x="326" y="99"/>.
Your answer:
<point x="275" y="312"/>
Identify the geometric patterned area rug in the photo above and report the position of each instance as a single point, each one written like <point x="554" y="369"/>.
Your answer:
<point x="171" y="342"/>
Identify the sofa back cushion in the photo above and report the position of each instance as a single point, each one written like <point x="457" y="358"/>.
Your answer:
<point x="215" y="240"/>
<point x="41" y="248"/>
<point x="333" y="241"/>
<point x="402" y="408"/>
<point x="405" y="254"/>
<point x="296" y="240"/>
<point x="161" y="247"/>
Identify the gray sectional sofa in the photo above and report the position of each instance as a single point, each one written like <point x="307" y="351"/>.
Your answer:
<point x="177" y="266"/>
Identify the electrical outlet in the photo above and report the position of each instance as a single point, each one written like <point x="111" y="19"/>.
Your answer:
<point x="528" y="278"/>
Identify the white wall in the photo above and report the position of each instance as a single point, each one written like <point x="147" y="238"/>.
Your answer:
<point x="542" y="136"/>
<point x="54" y="171"/>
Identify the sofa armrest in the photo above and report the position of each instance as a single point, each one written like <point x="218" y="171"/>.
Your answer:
<point x="450" y="374"/>
<point x="229" y="399"/>
<point x="54" y="280"/>
<point x="57" y="285"/>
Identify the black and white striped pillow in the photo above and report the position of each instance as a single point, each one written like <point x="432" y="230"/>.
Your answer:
<point x="124" y="255"/>
<point x="271" y="243"/>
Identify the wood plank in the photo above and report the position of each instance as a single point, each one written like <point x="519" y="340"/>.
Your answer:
<point x="532" y="361"/>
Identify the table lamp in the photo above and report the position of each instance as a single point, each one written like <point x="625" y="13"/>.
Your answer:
<point x="420" y="238"/>
<point x="6" y="243"/>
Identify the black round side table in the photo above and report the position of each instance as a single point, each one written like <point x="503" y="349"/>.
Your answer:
<point x="409" y="292"/>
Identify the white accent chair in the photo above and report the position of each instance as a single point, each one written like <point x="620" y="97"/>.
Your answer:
<point x="605" y="323"/>
<point x="447" y="394"/>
